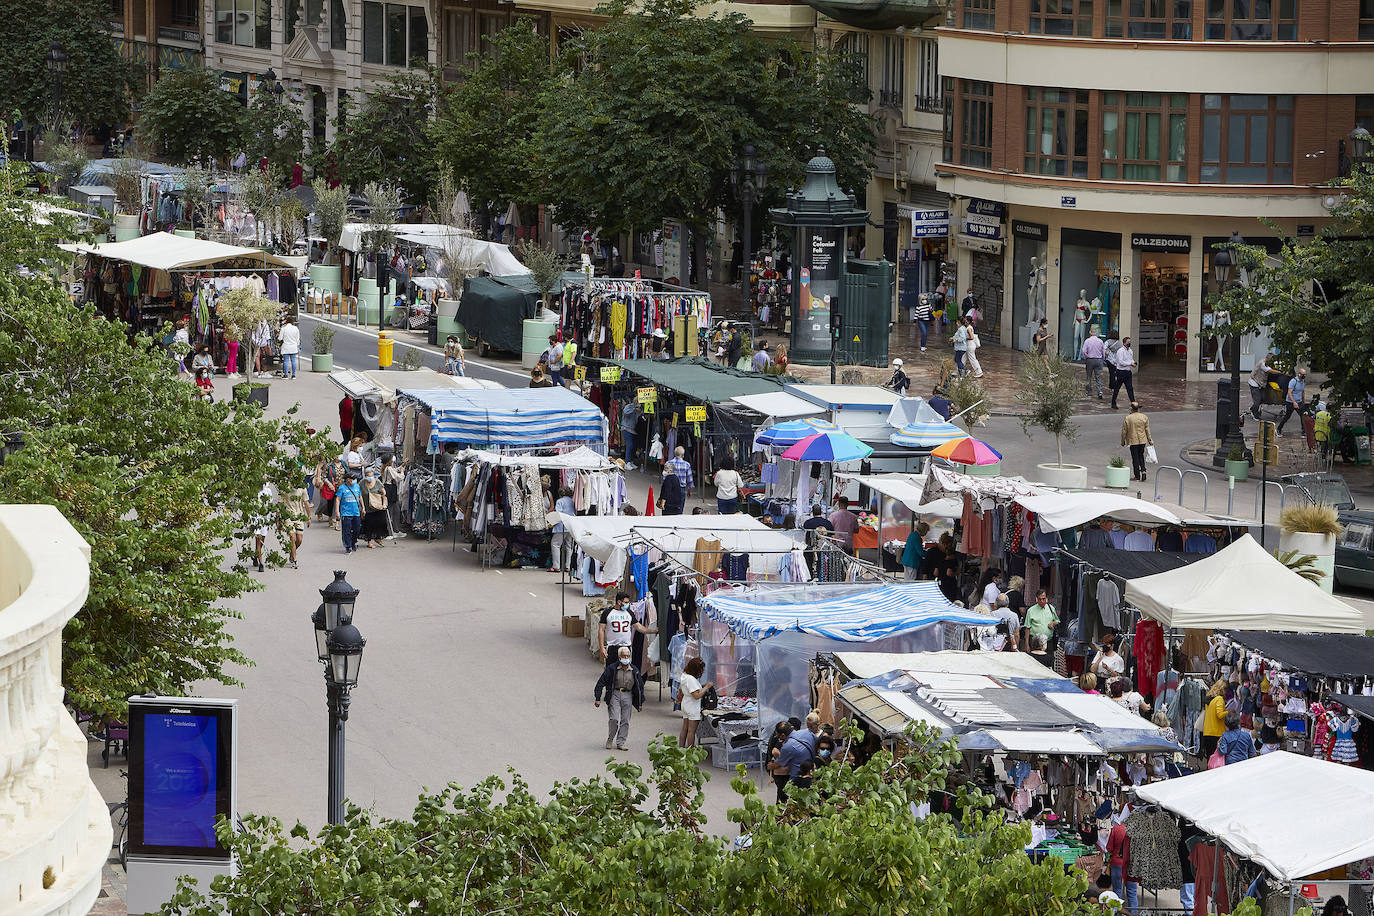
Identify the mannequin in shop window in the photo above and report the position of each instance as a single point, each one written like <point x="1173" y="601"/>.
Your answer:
<point x="1082" y="318"/>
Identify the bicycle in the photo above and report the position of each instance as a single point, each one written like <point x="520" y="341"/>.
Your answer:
<point x="120" y="841"/>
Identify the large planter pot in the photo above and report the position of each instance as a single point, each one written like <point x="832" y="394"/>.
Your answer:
<point x="1071" y="476"/>
<point x="125" y="226"/>
<point x="1118" y="478"/>
<point x="251" y="392"/>
<point x="1240" y="470"/>
<point x="446" y="308"/>
<point x="322" y="362"/>
<point x="1321" y="546"/>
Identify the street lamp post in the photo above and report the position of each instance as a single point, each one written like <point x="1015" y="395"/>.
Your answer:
<point x="748" y="178"/>
<point x="339" y="647"/>
<point x="1224" y="264"/>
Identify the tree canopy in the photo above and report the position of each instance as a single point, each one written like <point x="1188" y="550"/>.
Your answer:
<point x="635" y="843"/>
<point x="489" y="122"/>
<point x="188" y="116"/>
<point x="653" y="107"/>
<point x="385" y="136"/>
<point x="1316" y="296"/>
<point x="164" y="486"/>
<point x="98" y="83"/>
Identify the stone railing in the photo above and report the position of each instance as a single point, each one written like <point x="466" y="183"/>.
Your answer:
<point x="54" y="827"/>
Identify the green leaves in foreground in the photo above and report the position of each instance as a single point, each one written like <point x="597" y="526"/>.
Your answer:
<point x="628" y="843"/>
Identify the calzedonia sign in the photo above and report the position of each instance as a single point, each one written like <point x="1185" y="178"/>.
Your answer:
<point x="1150" y="242"/>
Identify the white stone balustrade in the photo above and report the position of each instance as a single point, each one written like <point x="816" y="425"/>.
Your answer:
<point x="54" y="826"/>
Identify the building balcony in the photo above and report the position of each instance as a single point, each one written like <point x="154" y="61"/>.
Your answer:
<point x="880" y="15"/>
<point x="54" y="827"/>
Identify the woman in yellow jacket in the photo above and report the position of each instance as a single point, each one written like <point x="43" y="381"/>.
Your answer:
<point x="1213" y="718"/>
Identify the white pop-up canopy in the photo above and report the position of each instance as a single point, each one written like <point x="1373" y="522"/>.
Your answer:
<point x="1293" y="814"/>
<point x="1241" y="587"/>
<point x="579" y="459"/>
<point x="164" y="251"/>
<point x="1057" y="511"/>
<point x="605" y="537"/>
<point x="492" y="257"/>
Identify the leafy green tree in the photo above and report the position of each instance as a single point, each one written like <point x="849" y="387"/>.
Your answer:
<point x="629" y="845"/>
<point x="488" y="124"/>
<point x="1316" y="296"/>
<point x="67" y="159"/>
<point x="331" y="212"/>
<point x="385" y="137"/>
<point x="98" y="84"/>
<point x="546" y="268"/>
<point x="652" y="110"/>
<point x="162" y="485"/>
<point x="1049" y="388"/>
<point x="275" y="128"/>
<point x="188" y="116"/>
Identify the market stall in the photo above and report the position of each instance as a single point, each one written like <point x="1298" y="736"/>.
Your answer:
<point x="620" y="318"/>
<point x="897" y="502"/>
<point x="431" y="424"/>
<point x="377" y="392"/>
<point x="758" y="643"/>
<point x="684" y="402"/>
<point x="1242" y="587"/>
<point x="505" y="499"/>
<point x="1290" y="815"/>
<point x="153" y="279"/>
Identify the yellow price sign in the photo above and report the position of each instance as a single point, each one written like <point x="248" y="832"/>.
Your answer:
<point x="580" y="373"/>
<point x="647" y="407"/>
<point x="696" y="414"/>
<point x="610" y="373"/>
<point x="646" y="395"/>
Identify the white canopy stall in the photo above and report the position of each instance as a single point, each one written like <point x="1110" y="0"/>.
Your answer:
<point x="491" y="257"/>
<point x="1241" y="587"/>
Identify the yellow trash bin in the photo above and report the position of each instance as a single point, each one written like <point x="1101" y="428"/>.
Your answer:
<point x="384" y="347"/>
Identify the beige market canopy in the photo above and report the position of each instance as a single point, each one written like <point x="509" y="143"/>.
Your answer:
<point x="1241" y="587"/>
<point x="164" y="251"/>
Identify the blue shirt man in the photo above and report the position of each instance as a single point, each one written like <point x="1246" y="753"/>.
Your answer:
<point x="794" y="752"/>
<point x="350" y="499"/>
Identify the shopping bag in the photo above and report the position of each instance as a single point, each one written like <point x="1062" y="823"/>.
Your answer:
<point x="1216" y="760"/>
<point x="1151" y="456"/>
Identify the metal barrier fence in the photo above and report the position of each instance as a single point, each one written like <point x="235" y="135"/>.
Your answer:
<point x="330" y="306"/>
<point x="1281" y="489"/>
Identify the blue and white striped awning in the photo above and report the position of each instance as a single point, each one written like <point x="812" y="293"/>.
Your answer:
<point x="509" y="416"/>
<point x="854" y="616"/>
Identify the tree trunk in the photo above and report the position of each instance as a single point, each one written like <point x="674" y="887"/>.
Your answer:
<point x="1059" y="449"/>
<point x="699" y="246"/>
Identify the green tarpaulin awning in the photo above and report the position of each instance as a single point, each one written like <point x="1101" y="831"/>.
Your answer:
<point x="699" y="378"/>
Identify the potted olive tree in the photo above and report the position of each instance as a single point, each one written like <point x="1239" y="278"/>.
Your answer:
<point x="1116" y="473"/>
<point x="248" y="319"/>
<point x="1312" y="530"/>
<point x="322" y="359"/>
<point x="1049" y="389"/>
<point x="1237" y="465"/>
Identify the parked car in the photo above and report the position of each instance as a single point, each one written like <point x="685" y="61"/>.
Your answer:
<point x="1355" y="545"/>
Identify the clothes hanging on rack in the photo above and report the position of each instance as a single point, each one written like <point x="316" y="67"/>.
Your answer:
<point x="1154" y="839"/>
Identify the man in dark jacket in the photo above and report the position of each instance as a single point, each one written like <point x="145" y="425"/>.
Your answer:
<point x="624" y="689"/>
<point x="671" y="497"/>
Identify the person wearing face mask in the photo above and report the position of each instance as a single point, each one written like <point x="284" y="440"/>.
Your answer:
<point x="375" y="528"/>
<point x="624" y="690"/>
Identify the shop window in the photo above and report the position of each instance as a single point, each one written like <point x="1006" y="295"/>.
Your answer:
<point x="1144" y="136"/>
<point x="894" y="72"/>
<point x="1162" y="20"/>
<point x="490" y="24"/>
<point x="1057" y="132"/>
<point x="977" y="14"/>
<point x="395" y="34"/>
<point x="1252" y="20"/>
<point x="975" y="119"/>
<point x="1247" y="139"/>
<point x="1366" y="29"/>
<point x="928" y="94"/>
<point x="1061" y="17"/>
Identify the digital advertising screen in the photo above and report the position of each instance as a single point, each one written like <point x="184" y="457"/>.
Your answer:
<point x="180" y="775"/>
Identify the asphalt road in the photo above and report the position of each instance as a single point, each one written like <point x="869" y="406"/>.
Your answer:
<point x="356" y="348"/>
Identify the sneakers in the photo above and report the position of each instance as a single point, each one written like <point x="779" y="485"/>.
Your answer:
<point x="621" y="747"/>
<point x="923" y="349"/>
<point x="292" y="564"/>
<point x="609" y="744"/>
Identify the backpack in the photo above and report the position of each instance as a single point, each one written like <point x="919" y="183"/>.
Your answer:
<point x="710" y="699"/>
